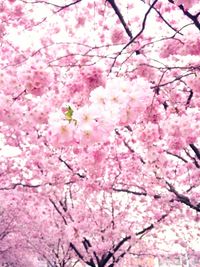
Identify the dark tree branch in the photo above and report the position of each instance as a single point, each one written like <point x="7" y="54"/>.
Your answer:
<point x="177" y="156"/>
<point x="189" y="97"/>
<point x="4" y="234"/>
<point x="196" y="150"/>
<point x="18" y="96"/>
<point x="122" y="254"/>
<point x="52" y="4"/>
<point x="182" y="198"/>
<point x="66" y="164"/>
<point x="76" y="251"/>
<point x="97" y="258"/>
<point x="127" y="144"/>
<point x="86" y="244"/>
<point x="59" y="212"/>
<point x="130" y="191"/>
<point x="137" y="35"/>
<point x="19" y="184"/>
<point x="70" y="167"/>
<point x="90" y="263"/>
<point x="195" y="160"/>
<point x="146" y="229"/>
<point x="121" y="18"/>
<point x="194" y="18"/>
<point x="71" y="4"/>
<point x="144" y="193"/>
<point x="166" y="22"/>
<point x="106" y="258"/>
<point x="151" y="226"/>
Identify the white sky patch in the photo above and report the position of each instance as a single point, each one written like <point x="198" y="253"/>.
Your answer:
<point x="9" y="151"/>
<point x="36" y="182"/>
<point x="6" y="150"/>
<point x="2" y="140"/>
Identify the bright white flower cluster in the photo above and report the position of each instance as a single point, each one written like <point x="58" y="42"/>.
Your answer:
<point x="119" y="103"/>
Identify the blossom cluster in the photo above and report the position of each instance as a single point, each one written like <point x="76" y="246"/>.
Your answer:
<point x="186" y="3"/>
<point x="36" y="79"/>
<point x="118" y="103"/>
<point x="181" y="130"/>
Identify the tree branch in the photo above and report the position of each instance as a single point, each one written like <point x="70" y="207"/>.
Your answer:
<point x="115" y="249"/>
<point x="130" y="191"/>
<point x="196" y="150"/>
<point x="121" y="18"/>
<point x="52" y="4"/>
<point x="150" y="227"/>
<point x="182" y="198"/>
<point x="138" y="34"/>
<point x="194" y="18"/>
<point x="166" y="22"/>
<point x="59" y="212"/>
<point x="76" y="251"/>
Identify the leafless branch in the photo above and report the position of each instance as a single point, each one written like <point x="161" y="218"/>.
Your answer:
<point x="137" y="35"/>
<point x="182" y="198"/>
<point x="121" y="18"/>
<point x="194" y="18"/>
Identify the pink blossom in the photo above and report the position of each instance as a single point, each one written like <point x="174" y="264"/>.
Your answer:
<point x="85" y="116"/>
<point x="36" y="80"/>
<point x="99" y="96"/>
<point x="117" y="36"/>
<point x="93" y="77"/>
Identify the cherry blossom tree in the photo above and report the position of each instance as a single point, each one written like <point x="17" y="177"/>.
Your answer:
<point x="99" y="117"/>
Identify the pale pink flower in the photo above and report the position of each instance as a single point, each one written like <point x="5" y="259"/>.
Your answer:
<point x="87" y="135"/>
<point x="85" y="115"/>
<point x="99" y="96"/>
